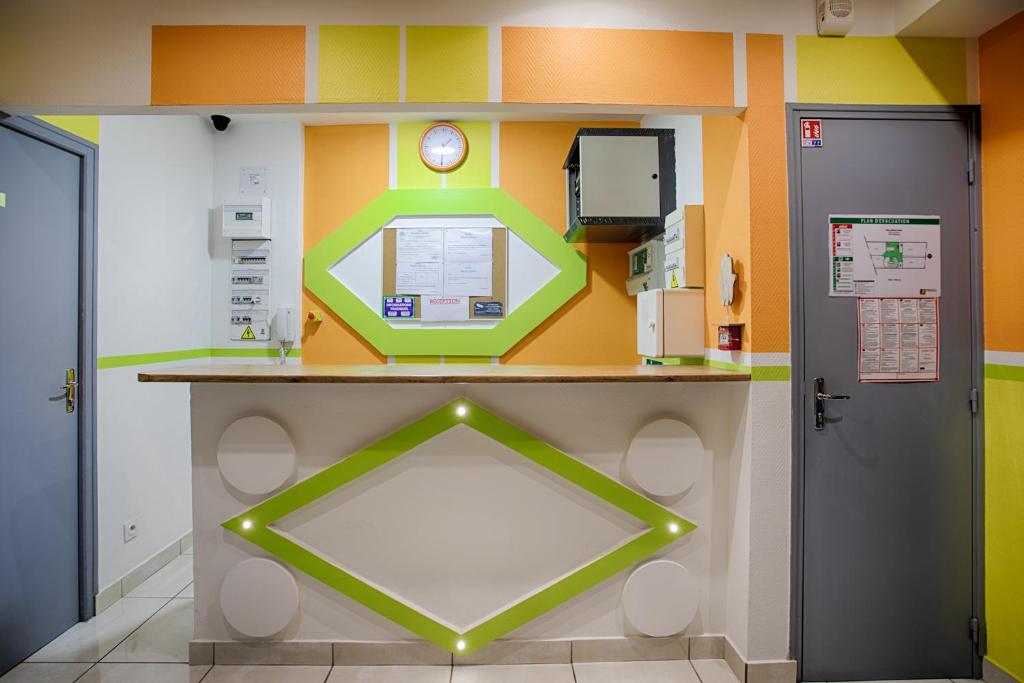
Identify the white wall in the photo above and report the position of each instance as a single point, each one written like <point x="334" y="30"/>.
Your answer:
<point x="153" y="295"/>
<point x="279" y="147"/>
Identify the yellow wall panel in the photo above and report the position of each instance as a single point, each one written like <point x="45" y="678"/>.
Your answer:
<point x="446" y="63"/>
<point x="881" y="70"/>
<point x="358" y="64"/>
<point x="1004" y="532"/>
<point x="85" y="127"/>
<point x="413" y="174"/>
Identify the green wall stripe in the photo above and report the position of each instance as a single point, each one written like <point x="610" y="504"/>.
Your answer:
<point x="105" y="362"/>
<point x="1010" y="372"/>
<point x="770" y="373"/>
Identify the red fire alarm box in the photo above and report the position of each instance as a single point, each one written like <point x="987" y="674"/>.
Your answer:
<point x="730" y="336"/>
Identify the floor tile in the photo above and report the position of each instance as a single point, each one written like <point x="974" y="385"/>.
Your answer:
<point x="513" y="673"/>
<point x="714" y="671"/>
<point x="164" y="638"/>
<point x="675" y="671"/>
<point x="187" y="592"/>
<point x="168" y="581"/>
<point x="90" y="640"/>
<point x="390" y="674"/>
<point x="149" y="673"/>
<point x="45" y="672"/>
<point x="267" y="674"/>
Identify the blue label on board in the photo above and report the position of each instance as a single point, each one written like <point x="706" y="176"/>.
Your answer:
<point x="399" y="306"/>
<point x="487" y="309"/>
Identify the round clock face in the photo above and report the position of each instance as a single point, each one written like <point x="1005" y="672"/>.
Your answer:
<point x="443" y="147"/>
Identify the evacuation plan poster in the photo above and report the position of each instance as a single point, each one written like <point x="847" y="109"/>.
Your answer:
<point x="884" y="255"/>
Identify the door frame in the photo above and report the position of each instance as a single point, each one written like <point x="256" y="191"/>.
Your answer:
<point x="970" y="115"/>
<point x="88" y="155"/>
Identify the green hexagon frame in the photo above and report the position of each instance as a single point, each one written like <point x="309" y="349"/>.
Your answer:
<point x="254" y="525"/>
<point x="494" y="341"/>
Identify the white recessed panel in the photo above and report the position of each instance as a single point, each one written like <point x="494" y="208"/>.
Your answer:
<point x="360" y="271"/>
<point x="259" y="597"/>
<point x="665" y="457"/>
<point x="460" y="527"/>
<point x="255" y="455"/>
<point x="660" y="598"/>
<point x="528" y="271"/>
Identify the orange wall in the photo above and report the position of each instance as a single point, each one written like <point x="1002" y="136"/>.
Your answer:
<point x="726" y="220"/>
<point x="621" y="66"/>
<point x="335" y="189"/>
<point x="228" y="64"/>
<point x="769" y="207"/>
<point x="1001" y="56"/>
<point x="597" y="326"/>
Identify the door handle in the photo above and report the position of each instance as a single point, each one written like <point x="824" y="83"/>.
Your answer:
<point x="819" y="402"/>
<point x="68" y="391"/>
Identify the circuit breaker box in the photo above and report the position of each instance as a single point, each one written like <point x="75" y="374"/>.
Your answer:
<point x="250" y="290"/>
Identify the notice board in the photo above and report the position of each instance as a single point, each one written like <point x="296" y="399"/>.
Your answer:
<point x="482" y="308"/>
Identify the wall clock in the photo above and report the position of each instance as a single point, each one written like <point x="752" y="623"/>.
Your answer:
<point x="443" y="147"/>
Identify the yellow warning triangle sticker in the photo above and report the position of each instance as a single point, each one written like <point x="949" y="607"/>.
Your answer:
<point x="248" y="333"/>
<point x="675" y="282"/>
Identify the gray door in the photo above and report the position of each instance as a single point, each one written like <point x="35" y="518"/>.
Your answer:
<point x="39" y="319"/>
<point x="886" y="529"/>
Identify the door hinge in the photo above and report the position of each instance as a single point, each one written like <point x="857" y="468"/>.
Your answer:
<point x="972" y="398"/>
<point x="970" y="171"/>
<point x="977" y="636"/>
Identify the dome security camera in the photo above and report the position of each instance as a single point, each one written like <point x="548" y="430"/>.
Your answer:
<point x="220" y="122"/>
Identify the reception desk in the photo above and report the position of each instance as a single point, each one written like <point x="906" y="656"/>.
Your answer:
<point x="476" y="513"/>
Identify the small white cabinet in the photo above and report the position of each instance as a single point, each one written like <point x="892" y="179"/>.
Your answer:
<point x="670" y="322"/>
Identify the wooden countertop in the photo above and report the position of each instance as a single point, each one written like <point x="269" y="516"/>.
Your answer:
<point x="439" y="374"/>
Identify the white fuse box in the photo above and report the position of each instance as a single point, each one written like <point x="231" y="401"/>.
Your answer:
<point x="250" y="290"/>
<point x="684" y="247"/>
<point x="670" y="322"/>
<point x="246" y="218"/>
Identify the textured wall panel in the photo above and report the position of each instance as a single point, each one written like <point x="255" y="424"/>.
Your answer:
<point x="336" y="187"/>
<point x="1001" y="57"/>
<point x="358" y="64"/>
<point x="599" y="325"/>
<point x="726" y="221"/>
<point x="620" y="66"/>
<point x="881" y="70"/>
<point x="446" y="63"/>
<point x="228" y="64"/>
<point x="769" y="206"/>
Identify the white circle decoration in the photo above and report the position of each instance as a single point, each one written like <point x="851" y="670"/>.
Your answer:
<point x="255" y="455"/>
<point x="665" y="457"/>
<point x="259" y="597"/>
<point x="660" y="598"/>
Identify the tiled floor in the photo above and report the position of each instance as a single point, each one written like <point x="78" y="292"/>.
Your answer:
<point x="143" y="638"/>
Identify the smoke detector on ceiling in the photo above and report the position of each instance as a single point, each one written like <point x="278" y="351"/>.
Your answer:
<point x="835" y="17"/>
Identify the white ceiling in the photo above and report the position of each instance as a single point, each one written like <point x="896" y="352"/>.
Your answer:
<point x="961" y="18"/>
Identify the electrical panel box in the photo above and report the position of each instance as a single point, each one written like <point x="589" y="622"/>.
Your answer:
<point x="621" y="183"/>
<point x="684" y="247"/>
<point x="246" y="218"/>
<point x="670" y="322"/>
<point x="646" y="267"/>
<point x="250" y="290"/>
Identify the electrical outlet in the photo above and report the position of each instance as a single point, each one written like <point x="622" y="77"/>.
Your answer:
<point x="131" y="530"/>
